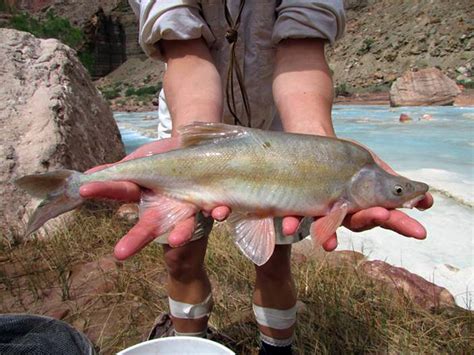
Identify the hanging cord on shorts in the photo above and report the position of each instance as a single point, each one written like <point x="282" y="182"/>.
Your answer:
<point x="231" y="36"/>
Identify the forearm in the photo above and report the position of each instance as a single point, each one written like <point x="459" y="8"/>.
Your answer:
<point x="192" y="84"/>
<point x="302" y="87"/>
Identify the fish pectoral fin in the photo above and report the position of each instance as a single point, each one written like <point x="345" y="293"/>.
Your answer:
<point x="164" y="212"/>
<point x="254" y="236"/>
<point x="323" y="228"/>
<point x="201" y="132"/>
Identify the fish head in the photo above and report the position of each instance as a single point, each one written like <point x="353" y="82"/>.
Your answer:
<point x="373" y="186"/>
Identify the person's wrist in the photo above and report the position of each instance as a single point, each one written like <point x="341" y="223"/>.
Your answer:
<point x="323" y="130"/>
<point x="320" y="127"/>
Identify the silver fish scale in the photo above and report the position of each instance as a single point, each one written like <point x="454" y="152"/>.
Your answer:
<point x="259" y="172"/>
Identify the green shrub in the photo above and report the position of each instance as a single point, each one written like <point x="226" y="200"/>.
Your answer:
<point x="111" y="93"/>
<point x="130" y="92"/>
<point x="383" y="87"/>
<point x="342" y="90"/>
<point x="143" y="91"/>
<point x="468" y="84"/>
<point x="87" y="59"/>
<point x="24" y="22"/>
<point x="366" y="46"/>
<point x="53" y="26"/>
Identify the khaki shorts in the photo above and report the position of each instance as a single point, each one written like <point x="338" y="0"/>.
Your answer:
<point x="204" y="227"/>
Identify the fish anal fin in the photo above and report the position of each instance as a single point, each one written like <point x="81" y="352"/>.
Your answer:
<point x="254" y="236"/>
<point x="324" y="227"/>
<point x="164" y="212"/>
<point x="201" y="132"/>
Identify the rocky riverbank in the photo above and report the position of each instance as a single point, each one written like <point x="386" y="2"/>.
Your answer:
<point x="465" y="98"/>
<point x="383" y="39"/>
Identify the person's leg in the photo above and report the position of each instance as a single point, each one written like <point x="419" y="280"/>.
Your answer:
<point x="189" y="288"/>
<point x="275" y="301"/>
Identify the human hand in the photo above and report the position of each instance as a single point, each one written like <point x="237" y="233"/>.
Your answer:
<point x="143" y="232"/>
<point x="369" y="218"/>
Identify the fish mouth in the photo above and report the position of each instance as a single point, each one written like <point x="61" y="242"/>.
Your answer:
<point x="412" y="203"/>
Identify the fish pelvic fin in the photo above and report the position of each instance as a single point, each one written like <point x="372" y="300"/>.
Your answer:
<point x="324" y="228"/>
<point x="163" y="212"/>
<point x="59" y="191"/>
<point x="254" y="236"/>
<point x="200" y="133"/>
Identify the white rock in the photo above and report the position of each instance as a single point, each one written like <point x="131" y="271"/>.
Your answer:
<point x="52" y="117"/>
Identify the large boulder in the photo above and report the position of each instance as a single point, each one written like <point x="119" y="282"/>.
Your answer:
<point x="398" y="281"/>
<point x="51" y="115"/>
<point x="414" y="287"/>
<point x="423" y="87"/>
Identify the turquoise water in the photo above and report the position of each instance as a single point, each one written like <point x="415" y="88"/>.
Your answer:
<point x="445" y="141"/>
<point x="439" y="152"/>
<point x="137" y="128"/>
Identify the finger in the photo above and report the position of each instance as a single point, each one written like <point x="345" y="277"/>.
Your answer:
<point x="115" y="190"/>
<point x="405" y="225"/>
<point x="182" y="232"/>
<point x="331" y="243"/>
<point x="290" y="225"/>
<point x="366" y="219"/>
<point x="426" y="203"/>
<point x="137" y="238"/>
<point x="220" y="213"/>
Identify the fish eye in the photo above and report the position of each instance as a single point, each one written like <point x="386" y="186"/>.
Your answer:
<point x="397" y="190"/>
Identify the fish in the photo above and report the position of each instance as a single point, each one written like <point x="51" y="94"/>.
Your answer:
<point x="259" y="174"/>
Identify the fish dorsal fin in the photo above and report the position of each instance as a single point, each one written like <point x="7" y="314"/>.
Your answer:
<point x="164" y="212"/>
<point x="201" y="133"/>
<point x="254" y="236"/>
<point x="323" y="228"/>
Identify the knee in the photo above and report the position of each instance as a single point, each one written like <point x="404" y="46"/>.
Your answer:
<point x="277" y="269"/>
<point x="181" y="265"/>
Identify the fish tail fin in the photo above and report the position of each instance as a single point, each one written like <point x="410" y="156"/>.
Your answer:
<point x="59" y="191"/>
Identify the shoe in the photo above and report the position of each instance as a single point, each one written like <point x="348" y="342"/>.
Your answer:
<point x="162" y="328"/>
<point x="219" y="337"/>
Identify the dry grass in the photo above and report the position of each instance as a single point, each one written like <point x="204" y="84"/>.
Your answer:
<point x="116" y="303"/>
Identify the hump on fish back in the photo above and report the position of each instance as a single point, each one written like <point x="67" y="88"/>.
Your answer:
<point x="200" y="133"/>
